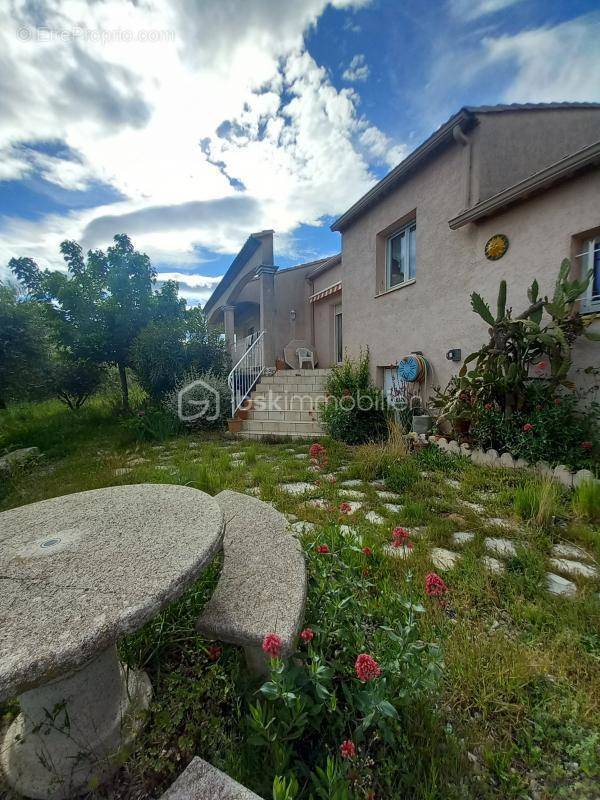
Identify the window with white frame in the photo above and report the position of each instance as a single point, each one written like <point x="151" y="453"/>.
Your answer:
<point x="401" y="256"/>
<point x="590" y="261"/>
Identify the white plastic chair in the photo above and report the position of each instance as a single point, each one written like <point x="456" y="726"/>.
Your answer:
<point x="305" y="355"/>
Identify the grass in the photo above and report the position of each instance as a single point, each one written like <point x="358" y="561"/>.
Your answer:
<point x="517" y="711"/>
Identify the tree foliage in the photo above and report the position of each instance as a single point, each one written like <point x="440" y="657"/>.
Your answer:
<point x="23" y="346"/>
<point x="103" y="302"/>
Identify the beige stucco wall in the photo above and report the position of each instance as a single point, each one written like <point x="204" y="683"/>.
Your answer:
<point x="433" y="314"/>
<point x="508" y="146"/>
<point x="291" y="293"/>
<point x="323" y="315"/>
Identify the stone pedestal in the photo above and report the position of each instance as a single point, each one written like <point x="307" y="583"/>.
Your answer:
<point x="71" y="731"/>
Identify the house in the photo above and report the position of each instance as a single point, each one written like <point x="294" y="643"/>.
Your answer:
<point x="496" y="192"/>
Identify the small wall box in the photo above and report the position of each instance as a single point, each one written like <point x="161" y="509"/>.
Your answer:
<point x="454" y="354"/>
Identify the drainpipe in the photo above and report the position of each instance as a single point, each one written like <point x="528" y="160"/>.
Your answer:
<point x="461" y="137"/>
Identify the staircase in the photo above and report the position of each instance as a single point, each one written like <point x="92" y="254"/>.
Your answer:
<point x="285" y="404"/>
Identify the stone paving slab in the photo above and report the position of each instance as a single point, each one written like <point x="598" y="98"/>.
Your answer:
<point x="301" y="487"/>
<point x="498" y="522"/>
<point x="564" y="550"/>
<point x="393" y="508"/>
<point x="444" y="559"/>
<point x="302" y="526"/>
<point x="493" y="565"/>
<point x="463" y="537"/>
<point x="574" y="567"/>
<point x="560" y="586"/>
<point x="397" y="552"/>
<point x="387" y="495"/>
<point x="499" y="546"/>
<point x="476" y="507"/>
<point x="351" y="483"/>
<point x="354" y="505"/>
<point x="351" y="494"/>
<point x="374" y="518"/>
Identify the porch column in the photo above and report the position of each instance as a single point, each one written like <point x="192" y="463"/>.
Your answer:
<point x="266" y="276"/>
<point x="229" y="323"/>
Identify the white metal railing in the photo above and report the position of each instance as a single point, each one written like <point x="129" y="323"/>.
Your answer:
<point x="246" y="372"/>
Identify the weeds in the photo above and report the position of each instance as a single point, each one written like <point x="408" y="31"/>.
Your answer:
<point x="586" y="501"/>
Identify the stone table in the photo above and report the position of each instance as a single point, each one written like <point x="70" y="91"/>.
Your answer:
<point x="76" y="574"/>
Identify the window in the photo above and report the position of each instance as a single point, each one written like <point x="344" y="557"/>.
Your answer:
<point x="590" y="260"/>
<point x="339" y="346"/>
<point x="401" y="256"/>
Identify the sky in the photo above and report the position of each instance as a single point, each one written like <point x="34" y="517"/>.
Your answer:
<point x="189" y="124"/>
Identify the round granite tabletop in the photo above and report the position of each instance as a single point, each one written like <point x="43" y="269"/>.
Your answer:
<point x="77" y="572"/>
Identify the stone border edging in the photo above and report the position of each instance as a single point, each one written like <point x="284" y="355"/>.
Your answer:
<point x="491" y="458"/>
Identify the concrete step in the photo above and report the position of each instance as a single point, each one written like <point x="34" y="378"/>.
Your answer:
<point x="287" y="402"/>
<point x="283" y="426"/>
<point x="263" y="435"/>
<point x="302" y="372"/>
<point x="284" y="416"/>
<point x="293" y="384"/>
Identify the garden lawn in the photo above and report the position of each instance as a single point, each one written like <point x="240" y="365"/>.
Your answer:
<point x="511" y="704"/>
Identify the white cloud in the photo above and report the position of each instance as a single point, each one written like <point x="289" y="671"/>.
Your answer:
<point x="133" y="115"/>
<point x="473" y="9"/>
<point x="551" y="63"/>
<point x="357" y="69"/>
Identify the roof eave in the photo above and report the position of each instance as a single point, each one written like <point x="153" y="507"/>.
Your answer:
<point x="249" y="247"/>
<point x="538" y="182"/>
<point x="442" y="136"/>
<point x="333" y="261"/>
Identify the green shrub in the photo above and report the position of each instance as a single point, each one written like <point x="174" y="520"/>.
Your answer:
<point x="538" y="502"/>
<point x="200" y="400"/>
<point x="152" y="425"/>
<point x="356" y="410"/>
<point x="586" y="501"/>
<point x="401" y="476"/>
<point x="553" y="428"/>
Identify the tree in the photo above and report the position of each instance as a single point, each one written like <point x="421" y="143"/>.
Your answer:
<point x="23" y="345"/>
<point x="74" y="380"/>
<point x="102" y="303"/>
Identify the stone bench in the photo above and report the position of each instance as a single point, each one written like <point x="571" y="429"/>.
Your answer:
<point x="202" y="781"/>
<point x="262" y="588"/>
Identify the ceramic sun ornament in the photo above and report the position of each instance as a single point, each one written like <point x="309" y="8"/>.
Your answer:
<point x="496" y="246"/>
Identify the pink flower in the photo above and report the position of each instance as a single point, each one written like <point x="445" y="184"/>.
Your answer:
<point x="366" y="668"/>
<point x="214" y="652"/>
<point x="322" y="548"/>
<point x="347" y="749"/>
<point x="365" y="573"/>
<point x="315" y="450"/>
<point x="367" y="551"/>
<point x="528" y="427"/>
<point x="345" y="508"/>
<point x="489" y="406"/>
<point x="307" y="635"/>
<point x="587" y="445"/>
<point x="399" y="535"/>
<point x="272" y="645"/>
<point x="434" y="585"/>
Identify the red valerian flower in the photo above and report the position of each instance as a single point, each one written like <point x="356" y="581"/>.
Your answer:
<point x="365" y="573"/>
<point x="399" y="535"/>
<point x="347" y="749"/>
<point x="434" y="585"/>
<point x="366" y="668"/>
<point x="367" y="551"/>
<point x="214" y="652"/>
<point x="322" y="548"/>
<point x="489" y="406"/>
<point x="272" y="645"/>
<point x="345" y="508"/>
<point x="315" y="450"/>
<point x="528" y="427"/>
<point x="587" y="445"/>
<point x="307" y="635"/>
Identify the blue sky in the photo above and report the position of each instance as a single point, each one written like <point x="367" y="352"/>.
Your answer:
<point x="189" y="125"/>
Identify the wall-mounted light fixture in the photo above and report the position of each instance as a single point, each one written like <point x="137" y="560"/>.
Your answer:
<point x="293" y="314"/>
<point x="454" y="354"/>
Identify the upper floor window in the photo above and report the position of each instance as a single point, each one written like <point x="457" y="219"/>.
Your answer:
<point x="590" y="260"/>
<point x="401" y="256"/>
